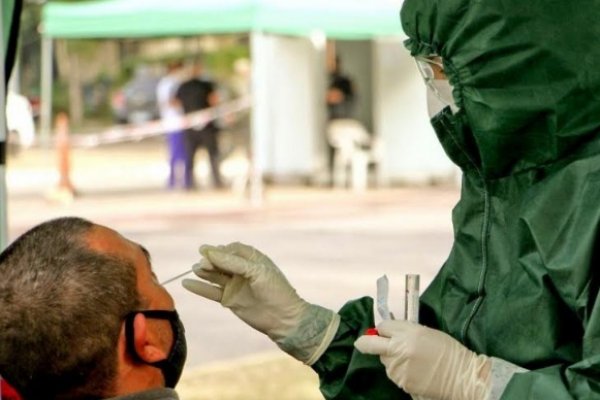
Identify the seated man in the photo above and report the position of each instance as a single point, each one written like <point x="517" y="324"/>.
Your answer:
<point x="82" y="316"/>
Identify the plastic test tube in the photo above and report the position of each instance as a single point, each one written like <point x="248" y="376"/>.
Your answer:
<point x="411" y="303"/>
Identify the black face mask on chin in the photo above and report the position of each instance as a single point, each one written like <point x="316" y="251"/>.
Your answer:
<point x="172" y="366"/>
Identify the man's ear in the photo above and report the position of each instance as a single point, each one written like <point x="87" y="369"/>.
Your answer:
<point x="145" y="343"/>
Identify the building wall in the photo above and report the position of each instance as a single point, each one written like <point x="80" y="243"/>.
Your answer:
<point x="411" y="151"/>
<point x="289" y="106"/>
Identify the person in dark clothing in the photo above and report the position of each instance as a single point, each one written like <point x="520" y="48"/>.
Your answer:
<point x="197" y="94"/>
<point x="340" y="93"/>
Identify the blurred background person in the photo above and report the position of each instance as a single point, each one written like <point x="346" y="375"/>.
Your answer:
<point x="340" y="92"/>
<point x="170" y="114"/>
<point x="199" y="93"/>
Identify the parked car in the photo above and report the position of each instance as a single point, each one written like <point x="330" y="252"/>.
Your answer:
<point x="136" y="101"/>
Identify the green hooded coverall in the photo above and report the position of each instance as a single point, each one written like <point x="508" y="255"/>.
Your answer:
<point x="520" y="283"/>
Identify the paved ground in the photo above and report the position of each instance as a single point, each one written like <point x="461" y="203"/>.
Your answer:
<point x="331" y="244"/>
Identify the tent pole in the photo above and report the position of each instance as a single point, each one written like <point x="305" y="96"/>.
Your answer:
<point x="46" y="90"/>
<point x="3" y="208"/>
<point x="3" y="140"/>
<point x="320" y="82"/>
<point x="258" y="124"/>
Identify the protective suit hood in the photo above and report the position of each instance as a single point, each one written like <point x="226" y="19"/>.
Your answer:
<point x="525" y="75"/>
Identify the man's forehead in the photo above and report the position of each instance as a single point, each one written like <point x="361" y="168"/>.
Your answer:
<point x="106" y="240"/>
<point x="103" y="239"/>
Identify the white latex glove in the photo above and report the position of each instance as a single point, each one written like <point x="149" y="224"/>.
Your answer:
<point x="248" y="283"/>
<point x="428" y="363"/>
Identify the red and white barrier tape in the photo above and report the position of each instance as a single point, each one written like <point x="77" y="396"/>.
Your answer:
<point x="135" y="132"/>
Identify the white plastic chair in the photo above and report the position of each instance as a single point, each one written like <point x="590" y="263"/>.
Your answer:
<point x="351" y="142"/>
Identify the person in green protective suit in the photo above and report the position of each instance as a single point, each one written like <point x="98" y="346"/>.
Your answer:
<point x="513" y="313"/>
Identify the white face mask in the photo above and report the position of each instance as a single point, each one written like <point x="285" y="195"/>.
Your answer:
<point x="439" y="90"/>
<point x="439" y="96"/>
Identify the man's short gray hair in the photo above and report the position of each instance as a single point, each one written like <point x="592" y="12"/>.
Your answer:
<point x="61" y="310"/>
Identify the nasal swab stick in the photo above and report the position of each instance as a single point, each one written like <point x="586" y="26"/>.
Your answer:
<point x="177" y="277"/>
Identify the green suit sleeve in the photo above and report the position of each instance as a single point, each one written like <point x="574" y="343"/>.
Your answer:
<point x="344" y="372"/>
